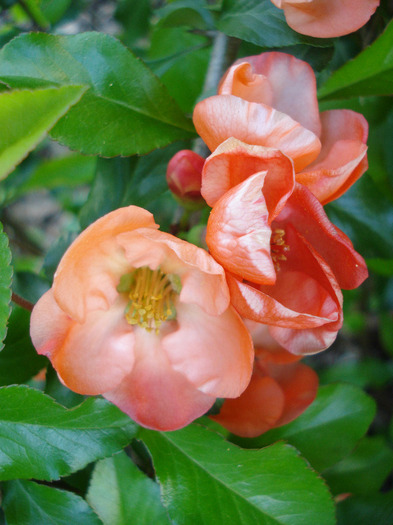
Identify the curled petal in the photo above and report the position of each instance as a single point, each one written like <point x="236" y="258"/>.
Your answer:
<point x="234" y="161"/>
<point x="343" y="155"/>
<point x="154" y="394"/>
<point x="96" y="355"/>
<point x="256" y="410"/>
<point x="327" y="18"/>
<point x="89" y="271"/>
<point x="277" y="80"/>
<point x="267" y="346"/>
<point x="305" y="212"/>
<point x="214" y="353"/>
<point x="202" y="278"/>
<point x="220" y="117"/>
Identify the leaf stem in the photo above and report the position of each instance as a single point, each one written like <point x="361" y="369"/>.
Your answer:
<point x="24" y="303"/>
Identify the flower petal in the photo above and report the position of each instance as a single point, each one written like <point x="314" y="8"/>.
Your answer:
<point x="154" y="394"/>
<point x="234" y="161"/>
<point x="89" y="271"/>
<point x="343" y="155"/>
<point x="220" y="117"/>
<point x="97" y="354"/>
<point x="214" y="353"/>
<point x="327" y="18"/>
<point x="277" y="80"/>
<point x="267" y="346"/>
<point x="256" y="410"/>
<point x="304" y="211"/>
<point x="202" y="278"/>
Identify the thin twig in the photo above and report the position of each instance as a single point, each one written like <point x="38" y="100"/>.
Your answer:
<point x="24" y="303"/>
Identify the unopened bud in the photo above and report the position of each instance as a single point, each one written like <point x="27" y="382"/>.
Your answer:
<point x="184" y="177"/>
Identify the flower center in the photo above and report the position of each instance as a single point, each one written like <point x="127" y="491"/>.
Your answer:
<point x="151" y="295"/>
<point x="278" y="247"/>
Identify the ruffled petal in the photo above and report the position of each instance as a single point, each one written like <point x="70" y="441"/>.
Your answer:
<point x="154" y="394"/>
<point x="89" y="271"/>
<point x="97" y="354"/>
<point x="277" y="80"/>
<point x="327" y="18"/>
<point x="304" y="211"/>
<point x="214" y="353"/>
<point x="234" y="161"/>
<point x="343" y="156"/>
<point x="220" y="117"/>
<point x="255" y="411"/>
<point x="49" y="325"/>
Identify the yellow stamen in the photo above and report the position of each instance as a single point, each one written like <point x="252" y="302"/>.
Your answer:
<point x="278" y="247"/>
<point x="151" y="297"/>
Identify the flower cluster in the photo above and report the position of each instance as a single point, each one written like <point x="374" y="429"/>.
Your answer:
<point x="161" y="327"/>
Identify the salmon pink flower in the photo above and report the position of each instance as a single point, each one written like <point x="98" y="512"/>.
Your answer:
<point x="184" y="177"/>
<point x="326" y="18"/>
<point x="280" y="390"/>
<point x="270" y="100"/>
<point x="144" y="319"/>
<point x="285" y="260"/>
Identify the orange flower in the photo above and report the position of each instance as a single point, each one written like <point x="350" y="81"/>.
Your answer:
<point x="270" y="100"/>
<point x="280" y="389"/>
<point x="285" y="260"/>
<point x="143" y="318"/>
<point x="326" y="18"/>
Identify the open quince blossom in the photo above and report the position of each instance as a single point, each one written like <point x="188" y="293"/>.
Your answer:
<point x="280" y="390"/>
<point x="270" y="100"/>
<point x="286" y="262"/>
<point x="326" y="18"/>
<point x="144" y="319"/>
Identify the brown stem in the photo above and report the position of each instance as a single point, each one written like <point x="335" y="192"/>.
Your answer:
<point x="24" y="303"/>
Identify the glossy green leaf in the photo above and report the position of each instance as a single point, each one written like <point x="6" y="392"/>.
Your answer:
<point x="28" y="503"/>
<point x="366" y="510"/>
<point x="363" y="471"/>
<point x="191" y="13"/>
<point x="18" y="360"/>
<point x="329" y="429"/>
<point x="213" y="481"/>
<point x="26" y="117"/>
<point x="43" y="440"/>
<point x="120" y="493"/>
<point x="53" y="10"/>
<point x="366" y="216"/>
<point x="5" y="284"/>
<point x="126" y="109"/>
<point x="263" y="24"/>
<point x="370" y="73"/>
<point x="365" y="373"/>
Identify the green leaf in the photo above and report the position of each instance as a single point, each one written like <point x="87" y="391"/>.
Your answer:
<point x="205" y="477"/>
<point x="370" y="73"/>
<point x="365" y="373"/>
<point x="260" y="22"/>
<point x="366" y="216"/>
<point x="43" y="440"/>
<point x="28" y="503"/>
<point x="5" y="284"/>
<point x="127" y="110"/>
<point x="120" y="493"/>
<point x="18" y="360"/>
<point x="190" y="13"/>
<point x="329" y="429"/>
<point x="26" y="117"/>
<point x="364" y="471"/>
<point x="366" y="510"/>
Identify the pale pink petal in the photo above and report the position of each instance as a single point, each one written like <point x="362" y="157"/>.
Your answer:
<point x="154" y="394"/>
<point x="214" y="353"/>
<point x="266" y="347"/>
<point x="49" y="325"/>
<point x="256" y="410"/>
<point x="234" y="161"/>
<point x="220" y="117"/>
<point x="89" y="271"/>
<point x="304" y="211"/>
<point x="343" y="155"/>
<point x="202" y="278"/>
<point x="97" y="354"/>
<point x="327" y="18"/>
<point x="278" y="80"/>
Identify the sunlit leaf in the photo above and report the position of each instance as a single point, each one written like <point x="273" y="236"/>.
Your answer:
<point x="5" y="283"/>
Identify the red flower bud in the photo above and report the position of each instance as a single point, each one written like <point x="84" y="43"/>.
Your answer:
<point x="184" y="175"/>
